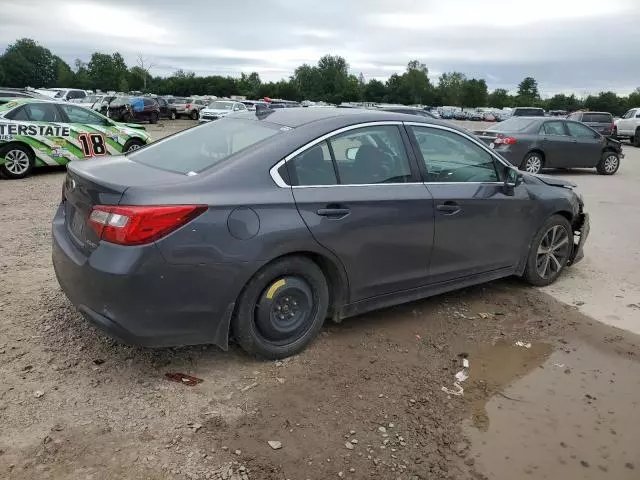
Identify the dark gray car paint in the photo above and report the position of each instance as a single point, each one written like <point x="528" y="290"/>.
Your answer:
<point x="182" y="289"/>
<point x="558" y="151"/>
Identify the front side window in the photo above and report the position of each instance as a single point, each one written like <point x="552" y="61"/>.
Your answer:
<point x="553" y="128"/>
<point x="83" y="115"/>
<point x="630" y="113"/>
<point x="371" y="155"/>
<point x="580" y="131"/>
<point x="450" y="157"/>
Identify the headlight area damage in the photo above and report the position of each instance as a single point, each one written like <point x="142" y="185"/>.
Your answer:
<point x="581" y="227"/>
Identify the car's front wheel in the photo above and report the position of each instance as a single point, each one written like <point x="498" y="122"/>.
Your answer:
<point x="281" y="309"/>
<point x="194" y="115"/>
<point x="18" y="161"/>
<point x="609" y="163"/>
<point x="532" y="162"/>
<point x="550" y="251"/>
<point x="154" y="118"/>
<point x="132" y="145"/>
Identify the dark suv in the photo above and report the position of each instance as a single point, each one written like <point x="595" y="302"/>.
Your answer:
<point x="527" y="112"/>
<point x="601" y="122"/>
<point x="134" y="109"/>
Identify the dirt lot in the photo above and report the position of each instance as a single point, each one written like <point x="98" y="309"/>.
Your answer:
<point x="364" y="402"/>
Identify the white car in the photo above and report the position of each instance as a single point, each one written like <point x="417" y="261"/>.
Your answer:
<point x="69" y="94"/>
<point x="628" y="127"/>
<point x="221" y="108"/>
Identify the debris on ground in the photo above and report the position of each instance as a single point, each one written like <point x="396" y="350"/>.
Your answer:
<point x="275" y="444"/>
<point x="520" y="343"/>
<point x="183" y="378"/>
<point x="38" y="394"/>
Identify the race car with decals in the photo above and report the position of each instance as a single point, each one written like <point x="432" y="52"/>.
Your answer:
<point x="36" y="132"/>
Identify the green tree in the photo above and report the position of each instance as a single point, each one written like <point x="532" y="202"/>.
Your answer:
<point x="333" y="74"/>
<point x="249" y="85"/>
<point x="26" y="63"/>
<point x="450" y="88"/>
<point x="475" y="93"/>
<point x="528" y="94"/>
<point x="375" y="91"/>
<point x="415" y="85"/>
<point x="64" y="75"/>
<point x="107" y="72"/>
<point x="561" y="101"/>
<point x="500" y="98"/>
<point x="634" y="99"/>
<point x="605" y="102"/>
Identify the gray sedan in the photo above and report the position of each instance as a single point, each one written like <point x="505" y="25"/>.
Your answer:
<point x="534" y="143"/>
<point x="260" y="226"/>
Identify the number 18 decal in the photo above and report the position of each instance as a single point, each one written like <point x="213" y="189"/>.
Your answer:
<point x="92" y="144"/>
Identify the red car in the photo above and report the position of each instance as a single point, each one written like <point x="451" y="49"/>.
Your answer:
<point x="134" y="109"/>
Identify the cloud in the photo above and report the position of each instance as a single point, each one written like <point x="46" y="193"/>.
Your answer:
<point x="569" y="45"/>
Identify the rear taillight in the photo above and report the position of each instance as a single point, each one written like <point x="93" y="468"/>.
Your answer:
<point x="137" y="225"/>
<point x="503" y="140"/>
<point x="187" y="106"/>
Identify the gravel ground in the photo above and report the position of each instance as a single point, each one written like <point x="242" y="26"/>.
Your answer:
<point x="364" y="402"/>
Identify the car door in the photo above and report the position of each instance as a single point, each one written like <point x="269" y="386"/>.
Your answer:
<point x="362" y="199"/>
<point x="93" y="135"/>
<point x="38" y="125"/>
<point x="556" y="144"/>
<point x="587" y="145"/>
<point x="480" y="227"/>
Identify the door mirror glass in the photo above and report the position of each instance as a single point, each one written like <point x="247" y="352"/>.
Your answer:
<point x="351" y="153"/>
<point x="512" y="177"/>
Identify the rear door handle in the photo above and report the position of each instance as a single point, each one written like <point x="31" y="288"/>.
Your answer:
<point x="448" y="208"/>
<point x="333" y="212"/>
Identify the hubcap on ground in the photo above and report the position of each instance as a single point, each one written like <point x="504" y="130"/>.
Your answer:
<point x="284" y="310"/>
<point x="16" y="161"/>
<point x="610" y="164"/>
<point x="534" y="164"/>
<point x="553" y="252"/>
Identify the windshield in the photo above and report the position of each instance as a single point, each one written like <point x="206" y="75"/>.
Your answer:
<point x="514" y="124"/>
<point x="60" y="94"/>
<point x="221" y="105"/>
<point x="90" y="99"/>
<point x="201" y="147"/>
<point x="528" y="112"/>
<point x="120" y="101"/>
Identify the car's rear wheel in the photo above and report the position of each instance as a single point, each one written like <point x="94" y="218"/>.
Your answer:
<point x="281" y="309"/>
<point x="609" y="163"/>
<point x="132" y="144"/>
<point x="636" y="138"/>
<point x="18" y="161"/>
<point x="550" y="251"/>
<point x="532" y="162"/>
<point x="154" y="118"/>
<point x="194" y="115"/>
<point x="173" y="115"/>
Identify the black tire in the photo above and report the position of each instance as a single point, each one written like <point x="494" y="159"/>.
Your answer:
<point x="532" y="162"/>
<point x="132" y="144"/>
<point x="609" y="163"/>
<point x="154" y="118"/>
<point x="636" y="139"/>
<point x="254" y="324"/>
<point x="614" y="133"/>
<point x="21" y="162"/>
<point x="194" y="115"/>
<point x="532" y="273"/>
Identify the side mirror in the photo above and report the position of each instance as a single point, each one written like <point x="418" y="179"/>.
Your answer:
<point x="512" y="179"/>
<point x="352" y="152"/>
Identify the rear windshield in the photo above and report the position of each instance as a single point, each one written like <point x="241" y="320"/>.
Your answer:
<point x="597" y="117"/>
<point x="199" y="148"/>
<point x="528" y="112"/>
<point x="513" y="124"/>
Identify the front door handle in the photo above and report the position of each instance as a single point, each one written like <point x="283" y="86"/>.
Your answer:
<point x="333" y="212"/>
<point x="448" y="208"/>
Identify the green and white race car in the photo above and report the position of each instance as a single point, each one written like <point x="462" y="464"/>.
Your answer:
<point x="36" y="132"/>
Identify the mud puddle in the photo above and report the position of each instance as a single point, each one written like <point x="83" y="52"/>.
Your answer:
<point x="572" y="414"/>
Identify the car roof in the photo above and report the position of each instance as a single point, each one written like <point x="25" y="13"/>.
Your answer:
<point x="296" y="117"/>
<point x="22" y="100"/>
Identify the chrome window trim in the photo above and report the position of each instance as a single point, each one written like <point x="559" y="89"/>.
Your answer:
<point x="282" y="184"/>
<point x="279" y="181"/>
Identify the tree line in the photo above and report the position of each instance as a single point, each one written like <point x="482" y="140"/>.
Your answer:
<point x="26" y="63"/>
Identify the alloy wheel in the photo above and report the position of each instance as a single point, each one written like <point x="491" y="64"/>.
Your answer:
<point x="534" y="164"/>
<point x="553" y="252"/>
<point x="16" y="162"/>
<point x="611" y="163"/>
<point x="133" y="147"/>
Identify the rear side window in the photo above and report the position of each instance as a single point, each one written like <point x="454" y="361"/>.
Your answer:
<point x="35" y="112"/>
<point x="312" y="167"/>
<point x="553" y="128"/>
<point x="148" y="102"/>
<point x="199" y="148"/>
<point x="597" y="118"/>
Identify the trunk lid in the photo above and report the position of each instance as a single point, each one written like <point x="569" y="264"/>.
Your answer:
<point x="103" y="182"/>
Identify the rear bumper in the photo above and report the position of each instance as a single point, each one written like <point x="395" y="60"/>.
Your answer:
<point x="583" y="227"/>
<point x="136" y="296"/>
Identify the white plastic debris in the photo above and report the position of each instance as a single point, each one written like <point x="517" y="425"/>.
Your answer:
<point x="461" y="376"/>
<point x="465" y="363"/>
<point x="457" y="392"/>
<point x="522" y="344"/>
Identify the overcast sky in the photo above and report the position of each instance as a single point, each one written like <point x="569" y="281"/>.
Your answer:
<point x="581" y="46"/>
